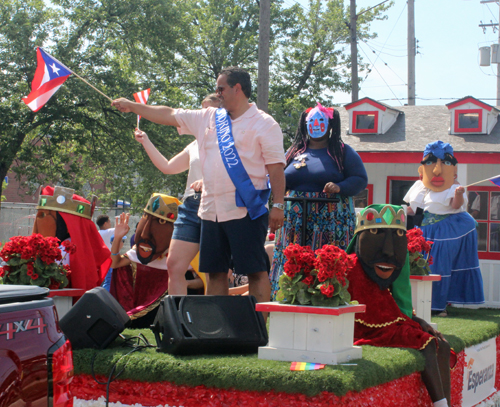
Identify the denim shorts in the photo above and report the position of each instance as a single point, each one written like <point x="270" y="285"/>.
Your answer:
<point x="187" y="227"/>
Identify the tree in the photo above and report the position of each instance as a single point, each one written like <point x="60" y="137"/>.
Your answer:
<point x="22" y="25"/>
<point x="176" y="47"/>
<point x="77" y="139"/>
<point x="313" y="63"/>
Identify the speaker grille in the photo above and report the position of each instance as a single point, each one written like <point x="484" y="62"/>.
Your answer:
<point x="205" y="319"/>
<point x="101" y="331"/>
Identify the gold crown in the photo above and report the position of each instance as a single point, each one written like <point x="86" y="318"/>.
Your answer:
<point x="163" y="207"/>
<point x="380" y="216"/>
<point x="62" y="201"/>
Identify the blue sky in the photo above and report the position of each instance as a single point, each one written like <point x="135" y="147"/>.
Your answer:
<point x="447" y="67"/>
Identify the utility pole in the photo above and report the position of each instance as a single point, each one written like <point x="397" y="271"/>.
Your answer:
<point x="354" y="53"/>
<point x="263" y="75"/>
<point x="498" y="27"/>
<point x="354" y="47"/>
<point x="411" y="52"/>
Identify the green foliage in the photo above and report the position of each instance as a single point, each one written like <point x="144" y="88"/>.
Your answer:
<point x="176" y="48"/>
<point x="463" y="327"/>
<point x="313" y="60"/>
<point x="419" y="265"/>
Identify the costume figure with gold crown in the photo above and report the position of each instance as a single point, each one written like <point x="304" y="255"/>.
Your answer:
<point x="63" y="214"/>
<point x="140" y="278"/>
<point x="379" y="276"/>
<point x="447" y="223"/>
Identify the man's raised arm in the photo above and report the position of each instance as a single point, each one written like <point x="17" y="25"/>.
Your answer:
<point x="157" y="114"/>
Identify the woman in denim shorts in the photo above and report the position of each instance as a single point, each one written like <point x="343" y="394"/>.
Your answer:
<point x="185" y="242"/>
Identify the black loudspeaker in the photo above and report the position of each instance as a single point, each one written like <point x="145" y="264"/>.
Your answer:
<point x="95" y="320"/>
<point x="187" y="325"/>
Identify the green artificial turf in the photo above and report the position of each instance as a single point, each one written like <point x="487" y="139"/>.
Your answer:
<point x="462" y="328"/>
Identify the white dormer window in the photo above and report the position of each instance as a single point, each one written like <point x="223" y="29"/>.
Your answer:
<point x="365" y="121"/>
<point x="366" y="116"/>
<point x="471" y="116"/>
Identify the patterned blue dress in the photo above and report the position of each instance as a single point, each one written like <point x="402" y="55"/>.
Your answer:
<point x="327" y="223"/>
<point x="454" y="250"/>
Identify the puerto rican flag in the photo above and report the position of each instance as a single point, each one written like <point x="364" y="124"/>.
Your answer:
<point x="496" y="180"/>
<point x="50" y="74"/>
<point x="142" y="97"/>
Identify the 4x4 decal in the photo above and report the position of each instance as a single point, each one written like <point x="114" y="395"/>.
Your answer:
<point x="11" y="328"/>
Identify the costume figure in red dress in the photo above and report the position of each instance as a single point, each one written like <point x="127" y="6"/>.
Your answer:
<point x="65" y="215"/>
<point x="380" y="248"/>
<point x="140" y="277"/>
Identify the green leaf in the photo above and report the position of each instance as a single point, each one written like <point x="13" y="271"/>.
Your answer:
<point x="303" y="297"/>
<point x="14" y="261"/>
<point x="344" y="296"/>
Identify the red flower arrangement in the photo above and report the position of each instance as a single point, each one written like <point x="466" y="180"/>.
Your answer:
<point x="418" y="247"/>
<point x="315" y="278"/>
<point x="35" y="260"/>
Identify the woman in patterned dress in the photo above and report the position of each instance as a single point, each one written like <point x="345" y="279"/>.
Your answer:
<point x="319" y="165"/>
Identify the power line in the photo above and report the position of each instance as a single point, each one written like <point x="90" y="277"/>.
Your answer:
<point x="393" y="27"/>
<point x="488" y="7"/>
<point x="382" y="52"/>
<point x="380" y="75"/>
<point x="293" y="2"/>
<point x="387" y="65"/>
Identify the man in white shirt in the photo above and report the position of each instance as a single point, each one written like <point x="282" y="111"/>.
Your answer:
<point x="227" y="228"/>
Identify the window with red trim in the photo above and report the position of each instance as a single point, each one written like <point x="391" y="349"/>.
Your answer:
<point x="365" y="121"/>
<point x="484" y="206"/>
<point x="397" y="187"/>
<point x="364" y="198"/>
<point x="468" y="121"/>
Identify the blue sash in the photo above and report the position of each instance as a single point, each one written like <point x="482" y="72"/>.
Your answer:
<point x="246" y="195"/>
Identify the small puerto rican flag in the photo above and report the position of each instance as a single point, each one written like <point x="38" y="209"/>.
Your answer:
<point x="496" y="180"/>
<point x="50" y="74"/>
<point x="142" y="97"/>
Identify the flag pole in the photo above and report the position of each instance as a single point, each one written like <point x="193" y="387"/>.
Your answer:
<point x="78" y="76"/>
<point x="478" y="182"/>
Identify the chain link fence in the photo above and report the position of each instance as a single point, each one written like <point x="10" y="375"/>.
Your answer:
<point x="16" y="219"/>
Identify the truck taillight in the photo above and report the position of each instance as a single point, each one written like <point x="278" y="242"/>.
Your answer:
<point x="60" y="366"/>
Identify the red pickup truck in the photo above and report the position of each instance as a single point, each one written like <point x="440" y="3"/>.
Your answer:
<point x="36" y="360"/>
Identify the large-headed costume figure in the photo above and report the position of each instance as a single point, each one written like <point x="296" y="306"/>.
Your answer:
<point x="140" y="278"/>
<point x="381" y="259"/>
<point x="447" y="223"/>
<point x="319" y="165"/>
<point x="65" y="215"/>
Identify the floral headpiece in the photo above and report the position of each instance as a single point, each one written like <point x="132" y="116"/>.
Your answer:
<point x="62" y="199"/>
<point x="163" y="206"/>
<point x="327" y="110"/>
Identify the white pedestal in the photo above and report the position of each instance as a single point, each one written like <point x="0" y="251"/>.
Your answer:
<point x="63" y="299"/>
<point x="310" y="334"/>
<point x="421" y="296"/>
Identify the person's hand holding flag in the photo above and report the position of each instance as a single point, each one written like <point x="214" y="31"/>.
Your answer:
<point x="142" y="97"/>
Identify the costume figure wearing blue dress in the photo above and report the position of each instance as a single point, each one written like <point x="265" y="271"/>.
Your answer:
<point x="454" y="251"/>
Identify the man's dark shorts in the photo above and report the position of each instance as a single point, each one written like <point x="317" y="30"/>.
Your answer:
<point x="243" y="238"/>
